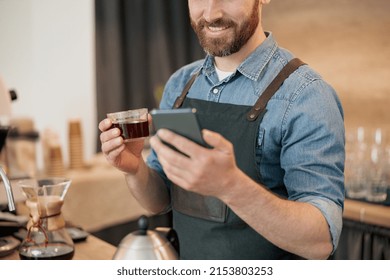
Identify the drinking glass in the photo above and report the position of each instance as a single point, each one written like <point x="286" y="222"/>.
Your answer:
<point x="133" y="124"/>
<point x="356" y="164"/>
<point x="378" y="169"/>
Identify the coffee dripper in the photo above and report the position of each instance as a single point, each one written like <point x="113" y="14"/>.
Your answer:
<point x="47" y="237"/>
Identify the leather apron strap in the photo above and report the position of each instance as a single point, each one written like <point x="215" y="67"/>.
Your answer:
<point x="180" y="99"/>
<point x="261" y="103"/>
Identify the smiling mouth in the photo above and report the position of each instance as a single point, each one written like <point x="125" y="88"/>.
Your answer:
<point x="217" y="28"/>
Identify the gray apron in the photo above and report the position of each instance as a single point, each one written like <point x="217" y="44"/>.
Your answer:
<point x="206" y="227"/>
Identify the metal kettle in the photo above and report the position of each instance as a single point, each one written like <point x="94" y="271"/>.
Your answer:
<point x="145" y="244"/>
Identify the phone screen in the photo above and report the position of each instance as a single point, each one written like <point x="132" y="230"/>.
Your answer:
<point x="182" y="121"/>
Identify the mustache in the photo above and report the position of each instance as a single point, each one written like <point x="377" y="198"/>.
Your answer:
<point x="216" y="23"/>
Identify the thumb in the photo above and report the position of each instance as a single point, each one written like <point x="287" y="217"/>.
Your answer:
<point x="217" y="141"/>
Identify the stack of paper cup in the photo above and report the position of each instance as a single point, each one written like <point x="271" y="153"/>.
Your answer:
<point x="55" y="166"/>
<point x="76" y="152"/>
<point x="52" y="153"/>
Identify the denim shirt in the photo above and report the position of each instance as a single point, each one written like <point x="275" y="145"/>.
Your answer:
<point x="301" y="138"/>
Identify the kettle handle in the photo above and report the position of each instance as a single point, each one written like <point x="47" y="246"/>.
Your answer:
<point x="171" y="235"/>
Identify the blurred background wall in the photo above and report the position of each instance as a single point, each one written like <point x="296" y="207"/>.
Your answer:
<point x="348" y="42"/>
<point x="48" y="54"/>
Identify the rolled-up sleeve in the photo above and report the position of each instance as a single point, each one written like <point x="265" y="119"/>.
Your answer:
<point x="313" y="152"/>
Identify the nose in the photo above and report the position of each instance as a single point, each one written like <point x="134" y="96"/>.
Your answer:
<point x="212" y="10"/>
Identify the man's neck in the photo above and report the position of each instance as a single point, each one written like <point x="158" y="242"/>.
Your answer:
<point x="231" y="62"/>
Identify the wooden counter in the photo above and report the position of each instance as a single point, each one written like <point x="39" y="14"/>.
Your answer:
<point x="91" y="249"/>
<point x="98" y="197"/>
<point x="368" y="213"/>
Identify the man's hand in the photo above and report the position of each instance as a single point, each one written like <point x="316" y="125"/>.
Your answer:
<point x="124" y="156"/>
<point x="205" y="171"/>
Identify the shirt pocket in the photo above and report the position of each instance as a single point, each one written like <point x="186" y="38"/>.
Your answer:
<point x="259" y="146"/>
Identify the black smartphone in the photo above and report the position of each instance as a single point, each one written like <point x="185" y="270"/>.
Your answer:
<point x="182" y="121"/>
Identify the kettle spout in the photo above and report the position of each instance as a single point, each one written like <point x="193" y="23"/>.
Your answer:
<point x="8" y="190"/>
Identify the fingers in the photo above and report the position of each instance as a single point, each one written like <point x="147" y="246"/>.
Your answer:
<point x="105" y="124"/>
<point x="192" y="149"/>
<point x="173" y="162"/>
<point x="216" y="141"/>
<point x="179" y="142"/>
<point x="112" y="152"/>
<point x="170" y="150"/>
<point x="110" y="138"/>
<point x="108" y="135"/>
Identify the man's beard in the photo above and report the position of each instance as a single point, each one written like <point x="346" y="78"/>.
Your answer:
<point x="225" y="46"/>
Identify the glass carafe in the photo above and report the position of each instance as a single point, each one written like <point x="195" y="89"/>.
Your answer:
<point x="47" y="237"/>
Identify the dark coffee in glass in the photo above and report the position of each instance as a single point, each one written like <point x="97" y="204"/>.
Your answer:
<point x="133" y="130"/>
<point x="133" y="124"/>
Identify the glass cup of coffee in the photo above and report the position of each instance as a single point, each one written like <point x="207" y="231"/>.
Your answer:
<point x="133" y="124"/>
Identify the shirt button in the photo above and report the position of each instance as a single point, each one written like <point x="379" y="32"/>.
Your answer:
<point x="215" y="90"/>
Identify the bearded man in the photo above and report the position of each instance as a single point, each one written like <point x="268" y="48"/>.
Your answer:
<point x="272" y="184"/>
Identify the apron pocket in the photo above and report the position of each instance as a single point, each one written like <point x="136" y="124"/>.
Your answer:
<point x="199" y="206"/>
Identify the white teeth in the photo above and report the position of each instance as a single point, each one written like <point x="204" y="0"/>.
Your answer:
<point x="216" y="29"/>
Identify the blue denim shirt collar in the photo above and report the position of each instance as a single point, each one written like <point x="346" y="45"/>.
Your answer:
<point x="250" y="68"/>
